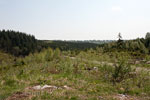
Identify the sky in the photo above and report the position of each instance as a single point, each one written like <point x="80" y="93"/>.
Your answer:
<point x="77" y="19"/>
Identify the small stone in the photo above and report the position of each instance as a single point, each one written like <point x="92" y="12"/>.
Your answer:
<point x="122" y="96"/>
<point x="44" y="87"/>
<point x="95" y="68"/>
<point x="66" y="87"/>
<point x="37" y="87"/>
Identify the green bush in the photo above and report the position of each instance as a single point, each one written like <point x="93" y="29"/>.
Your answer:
<point x="121" y="71"/>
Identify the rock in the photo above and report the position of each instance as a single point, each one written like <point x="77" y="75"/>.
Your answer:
<point x="66" y="87"/>
<point x="44" y="87"/>
<point x="38" y="87"/>
<point x="124" y="97"/>
<point x="48" y="86"/>
<point x="95" y="68"/>
<point x="121" y="97"/>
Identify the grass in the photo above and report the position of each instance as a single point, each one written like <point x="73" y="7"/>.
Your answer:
<point x="59" y="69"/>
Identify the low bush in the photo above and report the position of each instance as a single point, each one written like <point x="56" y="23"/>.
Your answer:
<point x="121" y="71"/>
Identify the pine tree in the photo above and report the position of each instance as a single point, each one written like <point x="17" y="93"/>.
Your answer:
<point x="120" y="41"/>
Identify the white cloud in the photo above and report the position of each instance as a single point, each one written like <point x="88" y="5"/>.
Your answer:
<point x="116" y="9"/>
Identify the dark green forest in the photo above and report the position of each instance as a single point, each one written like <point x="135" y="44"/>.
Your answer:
<point x="17" y="43"/>
<point x="22" y="44"/>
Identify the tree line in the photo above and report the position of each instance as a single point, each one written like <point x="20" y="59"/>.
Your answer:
<point x="22" y="44"/>
<point x="139" y="45"/>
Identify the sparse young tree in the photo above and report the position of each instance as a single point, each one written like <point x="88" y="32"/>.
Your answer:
<point x="49" y="54"/>
<point x="119" y="37"/>
<point x="57" y="53"/>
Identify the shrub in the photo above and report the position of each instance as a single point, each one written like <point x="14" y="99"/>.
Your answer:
<point x="121" y="71"/>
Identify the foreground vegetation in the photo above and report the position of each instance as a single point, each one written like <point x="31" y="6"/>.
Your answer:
<point x="90" y="75"/>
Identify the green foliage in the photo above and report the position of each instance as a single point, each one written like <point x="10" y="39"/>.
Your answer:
<point x="121" y="71"/>
<point x="57" y="53"/>
<point x="143" y="79"/>
<point x="74" y="98"/>
<point x="49" y="55"/>
<point x="52" y="54"/>
<point x="10" y="82"/>
<point x="45" y="96"/>
<point x="19" y="62"/>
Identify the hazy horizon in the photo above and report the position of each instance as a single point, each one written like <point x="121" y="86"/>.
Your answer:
<point x="77" y="19"/>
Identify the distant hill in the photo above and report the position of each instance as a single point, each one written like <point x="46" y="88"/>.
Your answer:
<point x="70" y="45"/>
<point x="92" y="41"/>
